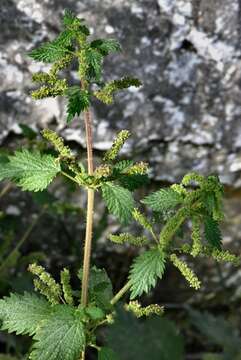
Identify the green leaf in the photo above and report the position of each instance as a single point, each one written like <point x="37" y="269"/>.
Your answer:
<point x="94" y="62"/>
<point x="49" y="52"/>
<point x="163" y="200"/>
<point x="133" y="181"/>
<point x="212" y="232"/>
<point x="106" y="354"/>
<point x="78" y="101"/>
<point x="23" y="313"/>
<point x="74" y="23"/>
<point x="69" y="18"/>
<point x="65" y="39"/>
<point x="145" y="271"/>
<point x="100" y="288"/>
<point x="30" y="170"/>
<point x="61" y="336"/>
<point x="122" y="165"/>
<point x="155" y="338"/>
<point x="95" y="313"/>
<point x="119" y="201"/>
<point x="106" y="46"/>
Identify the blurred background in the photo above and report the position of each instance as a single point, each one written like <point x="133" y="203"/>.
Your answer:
<point x="185" y="117"/>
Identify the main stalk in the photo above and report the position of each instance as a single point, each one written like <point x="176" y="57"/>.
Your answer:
<point x="90" y="211"/>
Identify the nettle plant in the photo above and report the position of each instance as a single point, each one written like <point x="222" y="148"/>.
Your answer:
<point x="64" y="321"/>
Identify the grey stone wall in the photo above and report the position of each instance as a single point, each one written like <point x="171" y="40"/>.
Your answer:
<point x="187" y="54"/>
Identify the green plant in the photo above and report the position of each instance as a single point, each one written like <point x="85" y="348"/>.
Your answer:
<point x="63" y="321"/>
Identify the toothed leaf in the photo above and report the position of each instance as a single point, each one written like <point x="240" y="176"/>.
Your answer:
<point x="163" y="200"/>
<point x="30" y="170"/>
<point x="49" y="52"/>
<point x="61" y="336"/>
<point x="145" y="271"/>
<point x="74" y="23"/>
<point x="23" y="313"/>
<point x="106" y="46"/>
<point x="119" y="201"/>
<point x="94" y="64"/>
<point x="212" y="232"/>
<point x="78" y="101"/>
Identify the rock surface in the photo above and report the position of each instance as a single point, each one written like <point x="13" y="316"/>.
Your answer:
<point x="187" y="54"/>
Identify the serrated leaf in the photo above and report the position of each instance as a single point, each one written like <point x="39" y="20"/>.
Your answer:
<point x="163" y="200"/>
<point x="100" y="287"/>
<point x="106" y="46"/>
<point x="73" y="22"/>
<point x="155" y="338"/>
<point x="23" y="313"/>
<point x="61" y="337"/>
<point x="119" y="201"/>
<point x="106" y="354"/>
<point x="212" y="232"/>
<point x="94" y="62"/>
<point x="65" y="39"/>
<point x="68" y="18"/>
<point x="145" y="271"/>
<point x="30" y="170"/>
<point x="122" y="165"/>
<point x="49" y="52"/>
<point x="78" y="101"/>
<point x="209" y="202"/>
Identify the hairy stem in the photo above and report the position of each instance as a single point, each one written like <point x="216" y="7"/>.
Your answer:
<point x="120" y="293"/>
<point x="23" y="238"/>
<point x="90" y="212"/>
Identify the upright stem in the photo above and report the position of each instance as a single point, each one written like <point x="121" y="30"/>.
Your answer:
<point x="90" y="211"/>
